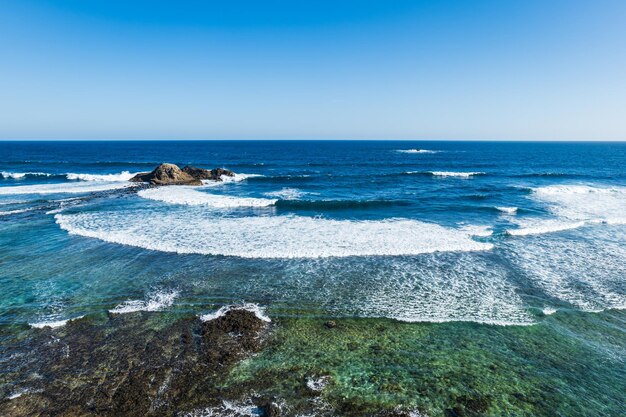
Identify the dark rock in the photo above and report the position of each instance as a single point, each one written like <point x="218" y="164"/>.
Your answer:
<point x="233" y="335"/>
<point x="166" y="174"/>
<point x="270" y="409"/>
<point x="331" y="324"/>
<point x="205" y="174"/>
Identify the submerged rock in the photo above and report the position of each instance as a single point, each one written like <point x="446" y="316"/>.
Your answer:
<point x="170" y="174"/>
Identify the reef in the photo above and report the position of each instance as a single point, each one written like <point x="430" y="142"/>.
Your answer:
<point x="170" y="174"/>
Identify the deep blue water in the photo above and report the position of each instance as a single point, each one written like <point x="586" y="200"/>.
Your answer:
<point x="502" y="233"/>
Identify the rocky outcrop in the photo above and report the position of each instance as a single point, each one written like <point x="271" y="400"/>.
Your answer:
<point x="206" y="174"/>
<point x="170" y="174"/>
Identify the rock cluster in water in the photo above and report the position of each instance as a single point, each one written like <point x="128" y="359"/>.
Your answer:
<point x="171" y="174"/>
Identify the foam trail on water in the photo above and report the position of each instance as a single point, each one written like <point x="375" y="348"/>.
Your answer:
<point x="586" y="271"/>
<point x="156" y="302"/>
<point x="191" y="196"/>
<point x="268" y="237"/>
<point x="7" y="213"/>
<point x="258" y="311"/>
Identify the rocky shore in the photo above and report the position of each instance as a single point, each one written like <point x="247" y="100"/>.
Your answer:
<point x="171" y="174"/>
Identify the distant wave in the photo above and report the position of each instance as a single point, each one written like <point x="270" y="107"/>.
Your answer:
<point x="156" y="301"/>
<point x="444" y="173"/>
<point x="455" y="174"/>
<point x="269" y="236"/>
<point x="416" y="151"/>
<point x="192" y="196"/>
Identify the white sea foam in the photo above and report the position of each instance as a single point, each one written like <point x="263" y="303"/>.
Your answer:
<point x="575" y="206"/>
<point x="20" y="175"/>
<point x="317" y="384"/>
<point x="507" y="210"/>
<point x="586" y="271"/>
<point x="156" y="301"/>
<point x="63" y="188"/>
<point x="18" y="393"/>
<point x="416" y="151"/>
<point x="122" y="176"/>
<point x="548" y="311"/>
<point x="270" y="236"/>
<point x="52" y="323"/>
<point x="286" y="194"/>
<point x="538" y="227"/>
<point x="192" y="196"/>
<point x="427" y="288"/>
<point x="226" y="409"/>
<point x="455" y="174"/>
<point x="258" y="311"/>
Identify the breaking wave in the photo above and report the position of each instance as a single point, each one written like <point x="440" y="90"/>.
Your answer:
<point x="122" y="176"/>
<point x="574" y="206"/>
<point x="21" y="175"/>
<point x="455" y="174"/>
<point x="269" y="237"/>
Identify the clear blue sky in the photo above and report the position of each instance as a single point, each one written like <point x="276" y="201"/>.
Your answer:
<point x="500" y="69"/>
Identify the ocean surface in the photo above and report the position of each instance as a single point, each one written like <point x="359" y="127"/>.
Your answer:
<point x="512" y="238"/>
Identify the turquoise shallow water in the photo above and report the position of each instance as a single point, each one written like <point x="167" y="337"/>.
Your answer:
<point x="482" y="254"/>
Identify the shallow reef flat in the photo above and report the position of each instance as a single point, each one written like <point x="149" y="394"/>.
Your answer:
<point x="238" y="364"/>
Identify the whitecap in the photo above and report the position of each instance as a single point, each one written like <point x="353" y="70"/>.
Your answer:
<point x="269" y="237"/>
<point x="416" y="151"/>
<point x="455" y="174"/>
<point x="156" y="301"/>
<point x="507" y="210"/>
<point x="548" y="311"/>
<point x="258" y="311"/>
<point x="192" y="196"/>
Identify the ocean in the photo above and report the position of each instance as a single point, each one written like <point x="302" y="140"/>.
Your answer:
<point x="465" y="278"/>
